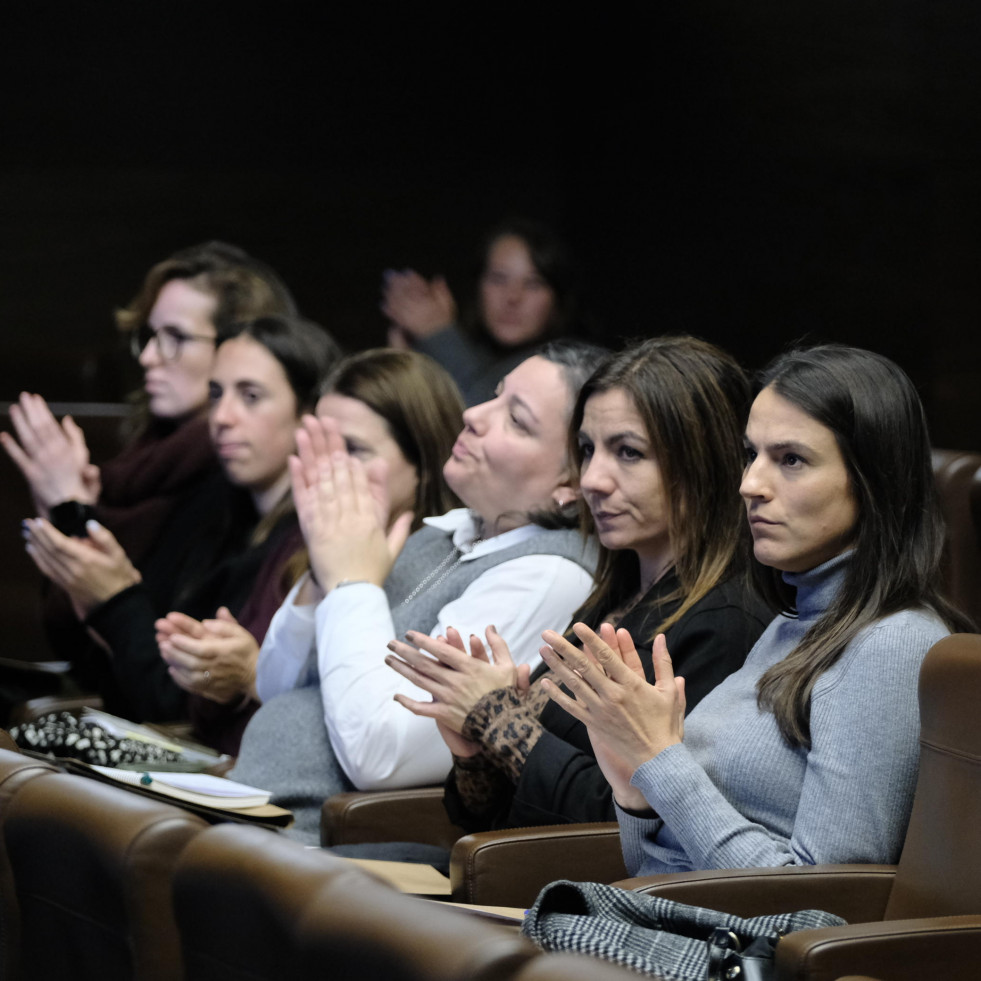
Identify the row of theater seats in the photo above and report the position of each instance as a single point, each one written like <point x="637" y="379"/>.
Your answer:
<point x="99" y="883"/>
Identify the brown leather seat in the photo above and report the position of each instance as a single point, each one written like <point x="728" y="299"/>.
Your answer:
<point x="16" y="771"/>
<point x="919" y="919"/>
<point x="252" y="904"/>
<point x="239" y="893"/>
<point x="413" y="814"/>
<point x="958" y="478"/>
<point x="92" y="867"/>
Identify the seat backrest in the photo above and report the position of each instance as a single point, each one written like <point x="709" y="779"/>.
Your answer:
<point x="251" y="904"/>
<point x="16" y="771"/>
<point x="958" y="480"/>
<point x="939" y="873"/>
<point x="92" y="867"/>
<point x="239" y="893"/>
<point x="369" y="931"/>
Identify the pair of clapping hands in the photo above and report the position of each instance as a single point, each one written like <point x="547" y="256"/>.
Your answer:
<point x="343" y="511"/>
<point x="54" y="460"/>
<point x="629" y="720"/>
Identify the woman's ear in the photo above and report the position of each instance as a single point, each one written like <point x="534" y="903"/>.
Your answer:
<point x="565" y="494"/>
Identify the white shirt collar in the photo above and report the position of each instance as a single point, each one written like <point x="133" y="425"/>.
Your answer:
<point x="462" y="524"/>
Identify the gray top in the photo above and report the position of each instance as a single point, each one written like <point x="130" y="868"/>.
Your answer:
<point x="736" y="795"/>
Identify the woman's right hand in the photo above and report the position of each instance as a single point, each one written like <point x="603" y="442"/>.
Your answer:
<point x="52" y="456"/>
<point x="418" y="307"/>
<point x="457" y="680"/>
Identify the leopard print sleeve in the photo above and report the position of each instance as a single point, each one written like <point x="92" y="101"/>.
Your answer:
<point x="505" y="723"/>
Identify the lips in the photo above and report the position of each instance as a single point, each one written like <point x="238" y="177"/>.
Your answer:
<point x="460" y="450"/>
<point x="230" y="450"/>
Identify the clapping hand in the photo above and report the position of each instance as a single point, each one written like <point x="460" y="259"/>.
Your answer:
<point x="629" y="720"/>
<point x="342" y="507"/>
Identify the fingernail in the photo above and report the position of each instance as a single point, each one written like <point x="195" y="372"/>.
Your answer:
<point x="391" y="645"/>
<point x="92" y="525"/>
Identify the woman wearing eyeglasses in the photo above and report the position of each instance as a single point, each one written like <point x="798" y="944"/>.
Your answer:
<point x="162" y="496"/>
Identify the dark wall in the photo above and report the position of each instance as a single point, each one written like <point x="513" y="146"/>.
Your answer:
<point x="753" y="173"/>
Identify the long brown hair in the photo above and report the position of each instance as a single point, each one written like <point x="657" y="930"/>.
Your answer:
<point x="693" y="399"/>
<point x="872" y="408"/>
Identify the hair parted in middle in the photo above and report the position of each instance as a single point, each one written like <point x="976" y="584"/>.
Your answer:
<point x="694" y="401"/>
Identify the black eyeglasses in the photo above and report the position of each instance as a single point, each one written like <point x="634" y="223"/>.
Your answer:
<point x="170" y="341"/>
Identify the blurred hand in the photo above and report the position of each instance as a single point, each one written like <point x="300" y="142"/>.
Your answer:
<point x="416" y="306"/>
<point x="52" y="456"/>
<point x="91" y="570"/>
<point x="213" y="658"/>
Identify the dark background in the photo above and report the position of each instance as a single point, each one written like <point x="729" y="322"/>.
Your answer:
<point x="750" y="172"/>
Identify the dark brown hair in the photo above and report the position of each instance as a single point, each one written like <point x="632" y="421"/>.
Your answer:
<point x="872" y="408"/>
<point x="693" y="399"/>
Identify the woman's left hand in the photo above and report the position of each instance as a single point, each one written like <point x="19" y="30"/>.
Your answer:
<point x="91" y="570"/>
<point x="339" y="511"/>
<point x="213" y="658"/>
<point x="456" y="680"/>
<point x="630" y="721"/>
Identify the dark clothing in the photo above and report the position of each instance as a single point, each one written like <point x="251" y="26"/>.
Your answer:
<point x="204" y="557"/>
<point x="153" y="490"/>
<point x="560" y="781"/>
<point x="477" y="364"/>
<point x="221" y="725"/>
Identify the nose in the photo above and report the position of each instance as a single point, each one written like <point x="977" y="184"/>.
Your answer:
<point x="594" y="478"/>
<point x="754" y="484"/>
<point x="223" y="411"/>
<point x="150" y="355"/>
<point x="475" y="418"/>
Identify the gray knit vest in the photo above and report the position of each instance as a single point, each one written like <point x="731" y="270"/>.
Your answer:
<point x="286" y="748"/>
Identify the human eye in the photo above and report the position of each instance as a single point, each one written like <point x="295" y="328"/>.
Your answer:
<point x="214" y="392"/>
<point x="749" y="454"/>
<point x="356" y="449"/>
<point x="586" y="447"/>
<point x="629" y="453"/>
<point x="251" y="394"/>
<point x="792" y="461"/>
<point x="174" y="334"/>
<point x="518" y="422"/>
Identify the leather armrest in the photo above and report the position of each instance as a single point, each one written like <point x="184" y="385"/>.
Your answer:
<point x="509" y="868"/>
<point x="415" y="814"/>
<point x="857" y="893"/>
<point x="901" y="950"/>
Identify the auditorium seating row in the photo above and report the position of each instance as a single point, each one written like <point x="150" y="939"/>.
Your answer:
<point x="97" y="882"/>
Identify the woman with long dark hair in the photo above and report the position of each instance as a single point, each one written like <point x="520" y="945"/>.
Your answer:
<point x="808" y="754"/>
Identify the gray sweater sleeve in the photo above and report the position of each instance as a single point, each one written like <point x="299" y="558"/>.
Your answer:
<point x="853" y="788"/>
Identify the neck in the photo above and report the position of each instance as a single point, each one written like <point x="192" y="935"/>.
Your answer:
<point x="267" y="498"/>
<point x="653" y="568"/>
<point x="492" y="527"/>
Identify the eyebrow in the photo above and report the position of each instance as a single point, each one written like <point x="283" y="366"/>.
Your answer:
<point x="619" y="437"/>
<point x="794" y="446"/>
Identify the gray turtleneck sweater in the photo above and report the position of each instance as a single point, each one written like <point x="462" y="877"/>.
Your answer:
<point x="734" y="794"/>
